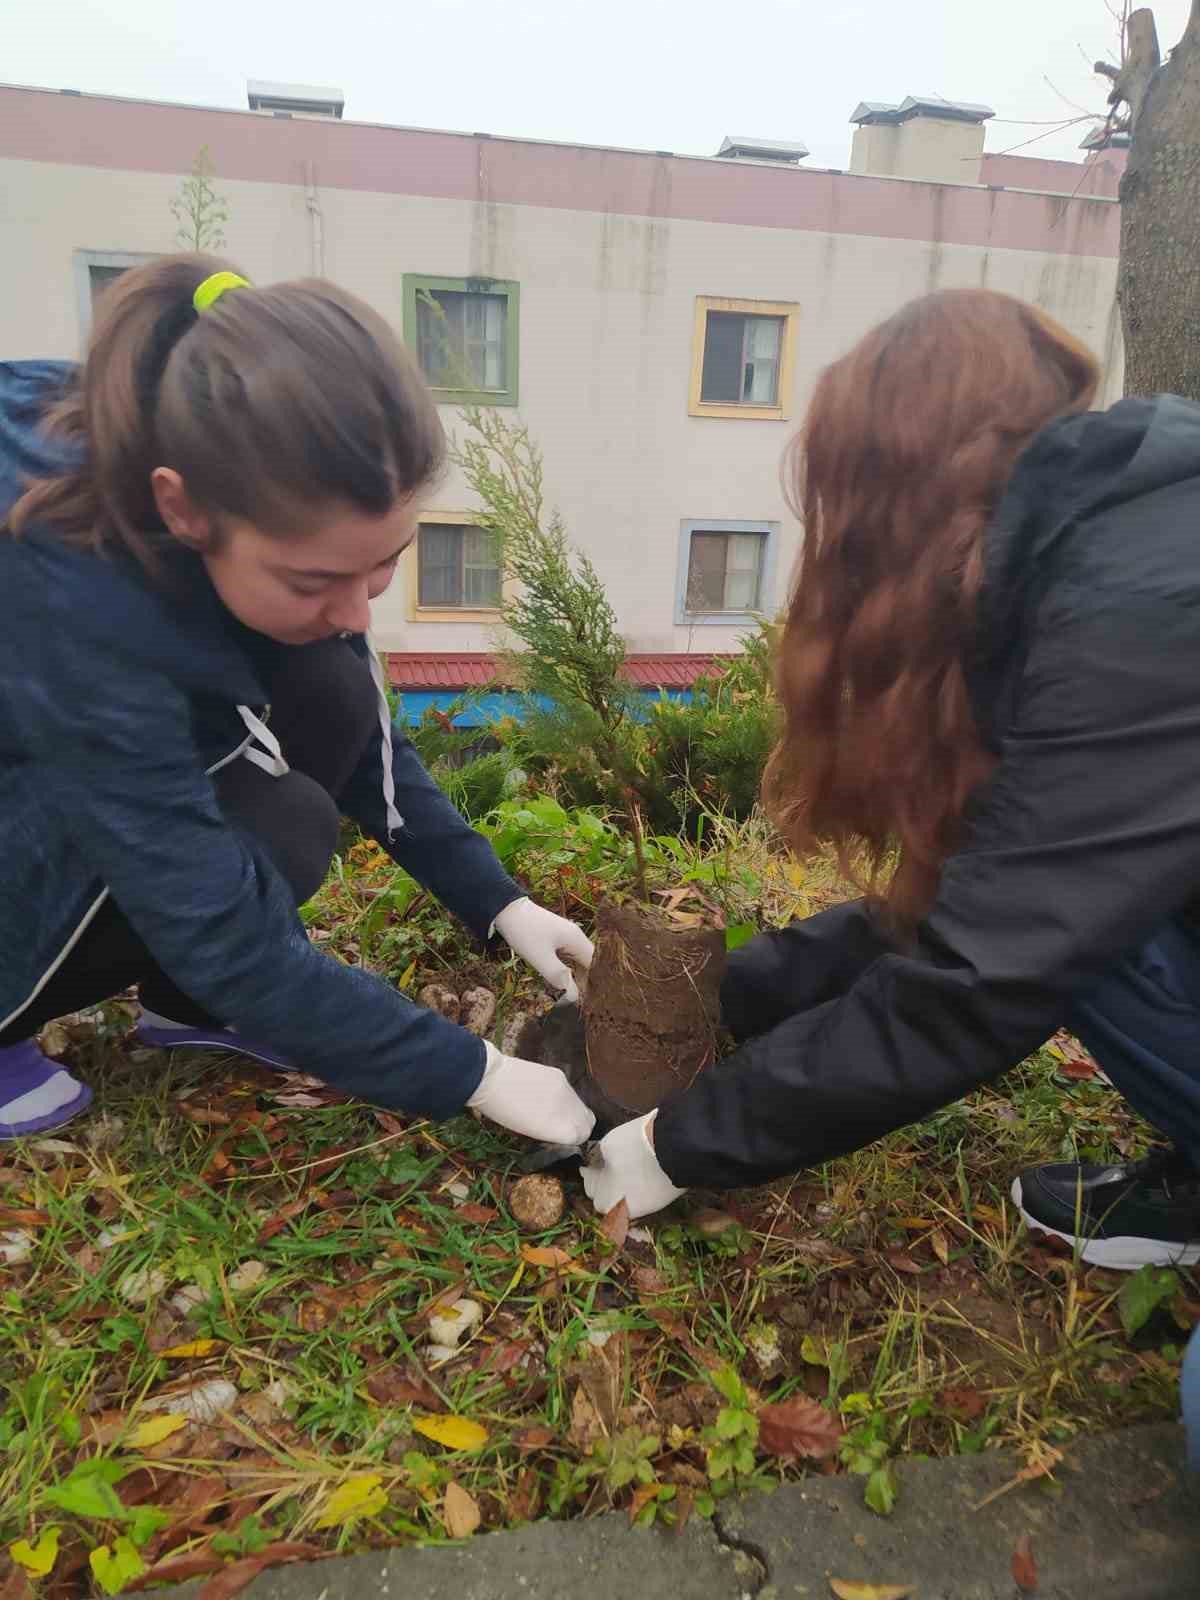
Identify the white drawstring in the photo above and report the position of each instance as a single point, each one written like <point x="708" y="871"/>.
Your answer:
<point x="394" y="820"/>
<point x="270" y="758"/>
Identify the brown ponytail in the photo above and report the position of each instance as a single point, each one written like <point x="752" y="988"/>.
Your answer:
<point x="275" y="402"/>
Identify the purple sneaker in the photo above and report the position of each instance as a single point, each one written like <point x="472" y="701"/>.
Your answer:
<point x="36" y="1094"/>
<point x="160" y="1033"/>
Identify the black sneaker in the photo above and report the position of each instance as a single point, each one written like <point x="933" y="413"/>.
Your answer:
<point x="1145" y="1214"/>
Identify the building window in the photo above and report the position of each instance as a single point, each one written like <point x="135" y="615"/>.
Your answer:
<point x="95" y="270"/>
<point x="458" y="568"/>
<point x="464" y="333"/>
<point x="725" y="571"/>
<point x="743" y="358"/>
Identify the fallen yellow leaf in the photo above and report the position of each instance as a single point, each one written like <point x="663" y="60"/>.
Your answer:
<point x="197" y="1347"/>
<point x="870" y="1591"/>
<point x="360" y="1496"/>
<point x="155" y="1429"/>
<point x="37" y="1558"/>
<point x="459" y="1512"/>
<point x="456" y="1433"/>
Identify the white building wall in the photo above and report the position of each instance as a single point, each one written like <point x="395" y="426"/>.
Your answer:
<point x="606" y="319"/>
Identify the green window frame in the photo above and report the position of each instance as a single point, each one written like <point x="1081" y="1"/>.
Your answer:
<point x="483" y="351"/>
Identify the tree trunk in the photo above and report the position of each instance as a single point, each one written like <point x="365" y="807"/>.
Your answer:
<point x="1158" y="285"/>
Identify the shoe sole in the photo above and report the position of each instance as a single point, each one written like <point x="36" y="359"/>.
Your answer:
<point x="11" y="1132"/>
<point x="1125" y="1253"/>
<point x="214" y="1043"/>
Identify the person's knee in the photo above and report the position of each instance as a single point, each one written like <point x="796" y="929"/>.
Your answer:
<point x="292" y="817"/>
<point x="302" y="833"/>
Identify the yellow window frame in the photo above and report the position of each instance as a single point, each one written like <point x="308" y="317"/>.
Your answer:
<point x="789" y="311"/>
<point x="412" y="559"/>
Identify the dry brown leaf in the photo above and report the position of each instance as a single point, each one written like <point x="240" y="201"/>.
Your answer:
<point x="233" y="1579"/>
<point x="474" y="1213"/>
<point x="1078" y="1069"/>
<point x="546" y="1255"/>
<point x="16" y="1586"/>
<point x="899" y="1262"/>
<point x="941" y="1246"/>
<point x="711" y="1222"/>
<point x="526" y="1499"/>
<point x="964" y="1404"/>
<point x="177" y="1569"/>
<point x="602" y="1374"/>
<point x="847" y="1590"/>
<point x="800" y="1426"/>
<point x="1024" y="1566"/>
<point x="460" y="1512"/>
<point x="648" y="1280"/>
<point x="279" y="1221"/>
<point x="392" y="1386"/>
<point x="535" y="1438"/>
<point x="615" y="1225"/>
<point x="586" y="1427"/>
<point x="642" y="1496"/>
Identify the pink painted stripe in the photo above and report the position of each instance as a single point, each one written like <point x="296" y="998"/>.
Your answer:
<point x="140" y="136"/>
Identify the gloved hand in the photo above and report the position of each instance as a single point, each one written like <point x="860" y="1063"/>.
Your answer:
<point x="625" y="1167"/>
<point x="527" y="1098"/>
<point x="538" y="935"/>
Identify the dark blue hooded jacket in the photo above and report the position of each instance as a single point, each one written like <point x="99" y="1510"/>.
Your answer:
<point x="115" y="702"/>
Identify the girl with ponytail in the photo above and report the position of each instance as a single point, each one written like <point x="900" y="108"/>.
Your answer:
<point x="192" y="527"/>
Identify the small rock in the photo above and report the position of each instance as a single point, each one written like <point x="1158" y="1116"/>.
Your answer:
<point x="16" y="1246"/>
<point x="104" y="1133"/>
<point x="452" y="1324"/>
<point x="459" y="1191"/>
<point x="280" y="1392"/>
<point x="440" y="999"/>
<point x="439" y="1352"/>
<point x="54" y="1040"/>
<point x="537" y="1202"/>
<point x="478" y="1011"/>
<point x="204" y="1403"/>
<point x="247" y="1276"/>
<point x="186" y="1300"/>
<point x="762" y="1340"/>
<point x="143" y="1284"/>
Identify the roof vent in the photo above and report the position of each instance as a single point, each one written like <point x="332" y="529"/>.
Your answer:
<point x="784" y="152"/>
<point x="1103" y="137"/>
<point x="294" y="99"/>
<point x="869" y="113"/>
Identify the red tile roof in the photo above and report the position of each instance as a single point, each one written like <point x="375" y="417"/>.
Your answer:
<point x="436" y="669"/>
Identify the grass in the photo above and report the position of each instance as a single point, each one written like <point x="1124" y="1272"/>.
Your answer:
<point x="890" y="1303"/>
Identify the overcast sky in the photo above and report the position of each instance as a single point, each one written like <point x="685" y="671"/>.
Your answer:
<point x="657" y="74"/>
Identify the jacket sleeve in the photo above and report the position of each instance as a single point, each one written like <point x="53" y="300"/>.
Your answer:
<point x="1086" y="839"/>
<point x="436" y="845"/>
<point x="112" y="753"/>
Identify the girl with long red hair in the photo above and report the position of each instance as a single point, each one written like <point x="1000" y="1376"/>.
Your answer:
<point x="990" y="678"/>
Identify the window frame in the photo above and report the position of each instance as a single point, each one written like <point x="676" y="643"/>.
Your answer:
<point x="768" y="531"/>
<point x="786" y="310"/>
<point x="81" y="263"/>
<point x="444" y="613"/>
<point x="416" y="282"/>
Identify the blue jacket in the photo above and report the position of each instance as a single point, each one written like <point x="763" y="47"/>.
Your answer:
<point x="115" y="700"/>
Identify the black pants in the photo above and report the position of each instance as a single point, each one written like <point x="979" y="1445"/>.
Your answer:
<point x="323" y="711"/>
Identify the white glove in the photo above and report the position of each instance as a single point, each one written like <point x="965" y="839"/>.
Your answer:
<point x="527" y="1098"/>
<point x="627" y="1168"/>
<point x="537" y="935"/>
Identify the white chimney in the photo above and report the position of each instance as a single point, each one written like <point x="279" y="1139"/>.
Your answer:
<point x="935" y="141"/>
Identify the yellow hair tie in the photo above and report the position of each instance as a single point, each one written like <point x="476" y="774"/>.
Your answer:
<point x="211" y="290"/>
